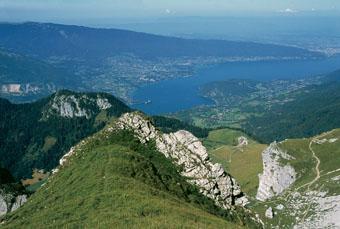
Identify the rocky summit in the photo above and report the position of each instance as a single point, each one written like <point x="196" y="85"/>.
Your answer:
<point x="187" y="152"/>
<point x="71" y="105"/>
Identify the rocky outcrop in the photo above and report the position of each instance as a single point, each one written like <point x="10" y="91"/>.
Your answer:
<point x="10" y="202"/>
<point x="66" y="156"/>
<point x="325" y="211"/>
<point x="269" y="213"/>
<point x="186" y="151"/>
<point x="275" y="177"/>
<point x="242" y="141"/>
<point x="19" y="201"/>
<point x="69" y="105"/>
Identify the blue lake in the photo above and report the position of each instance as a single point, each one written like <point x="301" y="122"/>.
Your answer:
<point x="182" y="93"/>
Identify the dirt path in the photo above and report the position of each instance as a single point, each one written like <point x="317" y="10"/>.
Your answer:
<point x="317" y="166"/>
<point x="330" y="172"/>
<point x="317" y="177"/>
<point x="217" y="148"/>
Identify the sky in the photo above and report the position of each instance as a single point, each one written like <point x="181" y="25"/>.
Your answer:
<point x="45" y="10"/>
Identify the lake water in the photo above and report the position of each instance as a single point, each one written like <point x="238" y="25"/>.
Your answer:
<point x="182" y="93"/>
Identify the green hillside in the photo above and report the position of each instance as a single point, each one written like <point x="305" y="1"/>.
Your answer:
<point x="273" y="110"/>
<point x="312" y="111"/>
<point x="113" y="181"/>
<point x="36" y="135"/>
<point x="29" y="139"/>
<point x="312" y="200"/>
<point x="242" y="162"/>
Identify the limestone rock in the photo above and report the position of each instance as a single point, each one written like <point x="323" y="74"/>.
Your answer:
<point x="280" y="207"/>
<point x="275" y="177"/>
<point x="19" y="201"/>
<point x="10" y="202"/>
<point x="70" y="106"/>
<point x="64" y="159"/>
<point x="188" y="152"/>
<point x="269" y="213"/>
<point x="103" y="103"/>
<point x="3" y="206"/>
<point x="242" y="141"/>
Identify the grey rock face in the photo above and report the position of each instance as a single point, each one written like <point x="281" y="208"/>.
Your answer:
<point x="3" y="206"/>
<point x="19" y="201"/>
<point x="242" y="141"/>
<point x="70" y="106"/>
<point x="9" y="202"/>
<point x="280" y="207"/>
<point x="326" y="211"/>
<point x="103" y="103"/>
<point x="188" y="152"/>
<point x="275" y="177"/>
<point x="269" y="213"/>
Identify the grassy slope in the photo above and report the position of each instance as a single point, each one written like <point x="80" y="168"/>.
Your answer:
<point x="30" y="141"/>
<point x="119" y="183"/>
<point x="304" y="164"/>
<point x="247" y="164"/>
<point x="243" y="163"/>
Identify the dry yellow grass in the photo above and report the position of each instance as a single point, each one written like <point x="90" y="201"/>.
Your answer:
<point x="37" y="176"/>
<point x="244" y="163"/>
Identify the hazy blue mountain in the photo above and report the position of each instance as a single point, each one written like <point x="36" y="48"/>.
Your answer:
<point x="48" y="40"/>
<point x="110" y="60"/>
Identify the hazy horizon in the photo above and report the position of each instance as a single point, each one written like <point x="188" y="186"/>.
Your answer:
<point x="302" y="23"/>
<point x="128" y="11"/>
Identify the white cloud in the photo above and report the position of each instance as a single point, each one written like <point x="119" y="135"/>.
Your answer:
<point x="289" y="11"/>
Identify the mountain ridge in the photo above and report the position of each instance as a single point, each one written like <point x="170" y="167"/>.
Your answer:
<point x="35" y="135"/>
<point x="170" y="49"/>
<point x="115" y="160"/>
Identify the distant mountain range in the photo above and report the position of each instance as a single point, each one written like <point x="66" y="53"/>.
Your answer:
<point x="49" y="40"/>
<point x="53" y="56"/>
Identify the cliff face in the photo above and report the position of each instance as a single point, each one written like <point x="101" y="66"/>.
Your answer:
<point x="275" y="177"/>
<point x="70" y="106"/>
<point x="10" y="201"/>
<point x="187" y="152"/>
